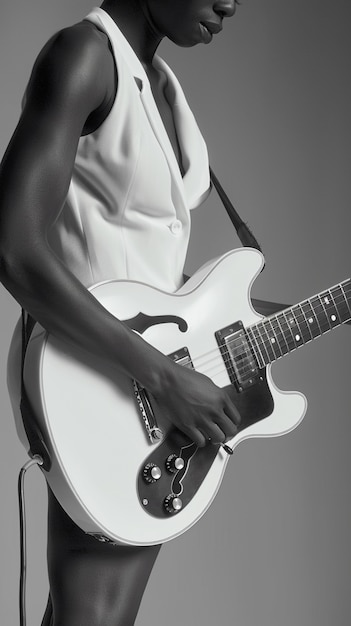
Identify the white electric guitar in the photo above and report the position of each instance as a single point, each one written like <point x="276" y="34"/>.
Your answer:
<point x="119" y="470"/>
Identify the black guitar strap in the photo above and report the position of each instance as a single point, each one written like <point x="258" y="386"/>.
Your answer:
<point x="244" y="233"/>
<point x="34" y="436"/>
<point x="247" y="238"/>
<point x="264" y="307"/>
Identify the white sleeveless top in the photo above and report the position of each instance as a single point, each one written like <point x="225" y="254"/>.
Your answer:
<point x="127" y="212"/>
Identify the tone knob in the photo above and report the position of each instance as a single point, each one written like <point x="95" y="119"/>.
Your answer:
<point x="151" y="473"/>
<point x="174" y="463"/>
<point x="173" y="504"/>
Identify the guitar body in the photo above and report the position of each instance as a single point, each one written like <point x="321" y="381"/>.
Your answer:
<point x="93" y="426"/>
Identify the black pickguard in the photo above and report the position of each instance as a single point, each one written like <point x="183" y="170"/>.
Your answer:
<point x="254" y="404"/>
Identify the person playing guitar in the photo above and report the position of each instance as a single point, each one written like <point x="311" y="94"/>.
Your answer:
<point x="97" y="184"/>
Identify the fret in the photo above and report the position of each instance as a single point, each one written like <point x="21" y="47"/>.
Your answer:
<point x="312" y="321"/>
<point x="302" y="322"/>
<point x="325" y="301"/>
<point x="340" y="303"/>
<point x="255" y="347"/>
<point x="295" y="327"/>
<point x="330" y="308"/>
<point x="260" y="342"/>
<point x="273" y="337"/>
<point x="283" y="346"/>
<point x="269" y="344"/>
<point x="285" y="324"/>
<point x="287" y="348"/>
<point x="345" y="288"/>
<point x="320" y="313"/>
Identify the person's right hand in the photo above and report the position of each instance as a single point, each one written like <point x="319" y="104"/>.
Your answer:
<point x="198" y="407"/>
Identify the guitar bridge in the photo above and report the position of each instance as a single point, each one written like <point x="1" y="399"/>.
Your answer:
<point x="238" y="357"/>
<point x="155" y="434"/>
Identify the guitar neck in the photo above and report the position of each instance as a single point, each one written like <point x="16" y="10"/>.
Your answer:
<point x="279" y="334"/>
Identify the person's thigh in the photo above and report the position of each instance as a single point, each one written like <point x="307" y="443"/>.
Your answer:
<point x="93" y="583"/>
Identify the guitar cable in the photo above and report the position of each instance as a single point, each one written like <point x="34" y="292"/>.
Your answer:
<point x="36" y="460"/>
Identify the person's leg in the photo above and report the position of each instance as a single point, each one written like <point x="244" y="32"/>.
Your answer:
<point x="93" y="583"/>
<point x="48" y="617"/>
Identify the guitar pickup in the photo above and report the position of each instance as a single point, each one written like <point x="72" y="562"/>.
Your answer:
<point x="182" y="357"/>
<point x="238" y="358"/>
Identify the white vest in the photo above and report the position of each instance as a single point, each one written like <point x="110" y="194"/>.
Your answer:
<point x="127" y="212"/>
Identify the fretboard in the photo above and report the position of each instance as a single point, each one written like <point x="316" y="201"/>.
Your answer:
<point x="279" y="334"/>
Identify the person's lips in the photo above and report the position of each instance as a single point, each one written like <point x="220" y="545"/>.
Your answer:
<point x="212" y="27"/>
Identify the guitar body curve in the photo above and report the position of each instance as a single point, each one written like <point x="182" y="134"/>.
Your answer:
<point x="91" y="421"/>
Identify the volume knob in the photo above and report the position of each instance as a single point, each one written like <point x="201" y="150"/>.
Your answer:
<point x="173" y="504"/>
<point x="151" y="473"/>
<point x="174" y="463"/>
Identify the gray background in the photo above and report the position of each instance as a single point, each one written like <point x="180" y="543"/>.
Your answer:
<point x="272" y="96"/>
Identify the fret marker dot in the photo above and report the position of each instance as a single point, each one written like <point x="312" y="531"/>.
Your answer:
<point x="272" y="340"/>
<point x="311" y="320"/>
<point x="333" y="318"/>
<point x="297" y="337"/>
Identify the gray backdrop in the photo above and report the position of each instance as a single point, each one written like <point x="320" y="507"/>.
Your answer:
<point x="272" y="96"/>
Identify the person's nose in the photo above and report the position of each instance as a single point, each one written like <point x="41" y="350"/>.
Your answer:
<point x="225" y="8"/>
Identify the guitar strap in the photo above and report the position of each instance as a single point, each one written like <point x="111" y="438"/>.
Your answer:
<point x="244" y="233"/>
<point x="247" y="238"/>
<point x="264" y="307"/>
<point x="33" y="433"/>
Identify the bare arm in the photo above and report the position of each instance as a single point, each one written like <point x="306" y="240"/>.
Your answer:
<point x="71" y="79"/>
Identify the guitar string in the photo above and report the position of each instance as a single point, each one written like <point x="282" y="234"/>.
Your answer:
<point x="271" y="352"/>
<point x="290" y="326"/>
<point x="337" y="300"/>
<point x="284" y="314"/>
<point x="264" y="343"/>
<point x="261" y="340"/>
<point x="245" y="372"/>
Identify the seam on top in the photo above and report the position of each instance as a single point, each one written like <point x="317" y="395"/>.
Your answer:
<point x="131" y="183"/>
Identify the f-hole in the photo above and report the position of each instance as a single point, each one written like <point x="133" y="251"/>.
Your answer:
<point x="142" y="322"/>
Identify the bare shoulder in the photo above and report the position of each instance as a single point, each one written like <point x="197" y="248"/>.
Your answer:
<point x="75" y="64"/>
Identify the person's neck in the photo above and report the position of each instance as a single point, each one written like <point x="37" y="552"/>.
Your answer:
<point x="136" y="25"/>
